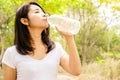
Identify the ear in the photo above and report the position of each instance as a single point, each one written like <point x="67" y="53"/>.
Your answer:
<point x="24" y="21"/>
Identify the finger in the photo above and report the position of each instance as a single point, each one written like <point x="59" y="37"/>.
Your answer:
<point x="56" y="27"/>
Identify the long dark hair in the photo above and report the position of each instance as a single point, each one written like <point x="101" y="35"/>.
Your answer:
<point x="23" y="40"/>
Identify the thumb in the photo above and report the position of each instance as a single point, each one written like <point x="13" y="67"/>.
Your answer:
<point x="56" y="27"/>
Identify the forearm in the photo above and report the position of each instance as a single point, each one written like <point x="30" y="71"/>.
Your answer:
<point x="74" y="60"/>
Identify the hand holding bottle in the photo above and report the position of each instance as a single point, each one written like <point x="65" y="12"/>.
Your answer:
<point x="62" y="32"/>
<point x="66" y="25"/>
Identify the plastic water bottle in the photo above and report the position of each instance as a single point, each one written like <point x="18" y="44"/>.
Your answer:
<point x="66" y="24"/>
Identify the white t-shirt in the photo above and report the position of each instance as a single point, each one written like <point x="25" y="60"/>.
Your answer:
<point x="33" y="69"/>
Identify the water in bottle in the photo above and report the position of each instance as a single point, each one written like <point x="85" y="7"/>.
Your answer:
<point x="67" y="24"/>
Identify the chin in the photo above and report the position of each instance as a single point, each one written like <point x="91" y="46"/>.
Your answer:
<point x="47" y="25"/>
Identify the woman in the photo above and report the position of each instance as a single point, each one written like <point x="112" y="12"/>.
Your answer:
<point x="34" y="56"/>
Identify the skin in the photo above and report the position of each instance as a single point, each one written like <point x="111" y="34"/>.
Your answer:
<point x="36" y="24"/>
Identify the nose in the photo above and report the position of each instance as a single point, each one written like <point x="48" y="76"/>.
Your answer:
<point x="44" y="15"/>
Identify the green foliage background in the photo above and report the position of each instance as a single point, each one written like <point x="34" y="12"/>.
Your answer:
<point x="95" y="41"/>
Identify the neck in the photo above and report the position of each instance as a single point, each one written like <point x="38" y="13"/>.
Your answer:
<point x="36" y="36"/>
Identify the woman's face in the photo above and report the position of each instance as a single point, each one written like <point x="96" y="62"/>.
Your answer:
<point x="37" y="18"/>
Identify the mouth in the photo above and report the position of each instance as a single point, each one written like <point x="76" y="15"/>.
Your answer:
<point x="45" y="20"/>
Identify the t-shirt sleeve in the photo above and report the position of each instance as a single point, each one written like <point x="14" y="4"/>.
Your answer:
<point x="8" y="58"/>
<point x="61" y="51"/>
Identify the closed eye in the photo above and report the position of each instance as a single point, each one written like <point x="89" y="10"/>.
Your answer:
<point x="37" y="11"/>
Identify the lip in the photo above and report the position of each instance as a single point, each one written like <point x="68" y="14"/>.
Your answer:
<point x="45" y="18"/>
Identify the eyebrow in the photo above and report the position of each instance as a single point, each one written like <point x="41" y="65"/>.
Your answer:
<point x="38" y="9"/>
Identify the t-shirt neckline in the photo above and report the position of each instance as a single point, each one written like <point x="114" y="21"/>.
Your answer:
<point x="44" y="58"/>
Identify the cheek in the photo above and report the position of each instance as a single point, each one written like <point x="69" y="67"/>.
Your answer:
<point x="35" y="21"/>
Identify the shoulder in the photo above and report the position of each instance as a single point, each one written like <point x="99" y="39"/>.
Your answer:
<point x="60" y="49"/>
<point x="9" y="56"/>
<point x="11" y="50"/>
<point x="57" y="45"/>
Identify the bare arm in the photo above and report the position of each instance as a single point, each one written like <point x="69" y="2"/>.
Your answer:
<point x="8" y="73"/>
<point x="71" y="63"/>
